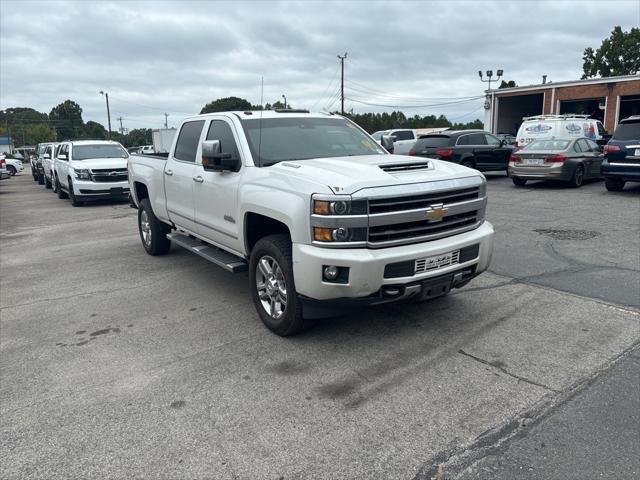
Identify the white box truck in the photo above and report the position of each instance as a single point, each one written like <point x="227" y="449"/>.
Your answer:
<point x="162" y="140"/>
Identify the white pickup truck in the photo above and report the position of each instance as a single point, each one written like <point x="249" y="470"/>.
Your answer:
<point x="316" y="210"/>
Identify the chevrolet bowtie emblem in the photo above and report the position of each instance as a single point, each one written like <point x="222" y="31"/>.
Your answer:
<point x="436" y="212"/>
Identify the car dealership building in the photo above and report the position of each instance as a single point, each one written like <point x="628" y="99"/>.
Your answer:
<point x="607" y="99"/>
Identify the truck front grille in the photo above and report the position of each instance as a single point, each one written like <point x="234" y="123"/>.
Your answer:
<point x="409" y="230"/>
<point x="109" y="175"/>
<point x="421" y="201"/>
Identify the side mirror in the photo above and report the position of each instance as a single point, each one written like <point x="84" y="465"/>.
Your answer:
<point x="387" y="142"/>
<point x="503" y="142"/>
<point x="62" y="156"/>
<point x="213" y="160"/>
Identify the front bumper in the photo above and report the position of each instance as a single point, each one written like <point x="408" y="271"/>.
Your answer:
<point x="4" y="174"/>
<point x="552" y="171"/>
<point x="98" y="190"/>
<point x="627" y="171"/>
<point x="366" y="279"/>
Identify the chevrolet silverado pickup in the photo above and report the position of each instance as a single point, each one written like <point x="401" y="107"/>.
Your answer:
<point x="317" y="212"/>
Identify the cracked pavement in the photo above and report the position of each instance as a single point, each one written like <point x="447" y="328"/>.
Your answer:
<point x="117" y="364"/>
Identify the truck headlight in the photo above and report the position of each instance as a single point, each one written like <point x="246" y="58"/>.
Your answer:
<point x="83" y="174"/>
<point x="340" y="234"/>
<point x="340" y="207"/>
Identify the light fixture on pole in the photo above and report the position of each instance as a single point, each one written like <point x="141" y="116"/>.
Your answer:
<point x="285" y="101"/>
<point x="106" y="96"/>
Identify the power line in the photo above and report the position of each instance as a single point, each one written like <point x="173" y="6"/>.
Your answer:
<point x="407" y="98"/>
<point x="458" y="102"/>
<point x="322" y="96"/>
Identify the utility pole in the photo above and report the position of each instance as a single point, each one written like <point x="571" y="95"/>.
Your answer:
<point x="342" y="82"/>
<point x="285" y="101"/>
<point x="166" y="125"/>
<point x="121" y="127"/>
<point x="106" y="95"/>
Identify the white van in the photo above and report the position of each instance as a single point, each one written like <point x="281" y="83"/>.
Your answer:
<point x="559" y="126"/>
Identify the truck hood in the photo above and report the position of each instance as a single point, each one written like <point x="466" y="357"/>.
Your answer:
<point x="105" y="163"/>
<point x="347" y="175"/>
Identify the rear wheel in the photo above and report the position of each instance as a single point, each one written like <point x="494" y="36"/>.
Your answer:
<point x="468" y="163"/>
<point x="153" y="232"/>
<point x="614" y="184"/>
<point x="519" y="182"/>
<point x="578" y="177"/>
<point x="272" y="286"/>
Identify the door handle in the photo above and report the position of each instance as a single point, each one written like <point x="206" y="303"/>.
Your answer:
<point x="168" y="172"/>
<point x="198" y="179"/>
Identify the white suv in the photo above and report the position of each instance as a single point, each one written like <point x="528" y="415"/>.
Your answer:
<point x="91" y="170"/>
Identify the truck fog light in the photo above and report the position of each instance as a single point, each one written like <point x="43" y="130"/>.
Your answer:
<point x="330" y="272"/>
<point x="341" y="234"/>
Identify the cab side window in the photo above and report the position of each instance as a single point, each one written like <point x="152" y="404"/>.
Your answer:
<point x="220" y="130"/>
<point x="187" y="144"/>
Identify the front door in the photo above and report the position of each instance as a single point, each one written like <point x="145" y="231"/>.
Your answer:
<point x="216" y="193"/>
<point x="179" y="176"/>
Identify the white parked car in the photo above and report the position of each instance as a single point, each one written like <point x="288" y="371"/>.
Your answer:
<point x="91" y="170"/>
<point x="48" y="159"/>
<point x="317" y="212"/>
<point x="403" y="139"/>
<point x="4" y="173"/>
<point x="541" y="127"/>
<point x="146" y="150"/>
<point x="13" y="166"/>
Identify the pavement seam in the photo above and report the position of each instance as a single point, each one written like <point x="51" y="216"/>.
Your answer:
<point x="448" y="465"/>
<point x="507" y="372"/>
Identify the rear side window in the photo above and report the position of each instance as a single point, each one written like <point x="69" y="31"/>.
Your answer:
<point x="433" y="141"/>
<point x="491" y="140"/>
<point x="403" y="135"/>
<point x="627" y="131"/>
<point x="578" y="147"/>
<point x="187" y="144"/>
<point x="601" y="130"/>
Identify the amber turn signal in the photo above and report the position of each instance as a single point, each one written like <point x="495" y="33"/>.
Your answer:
<point x="321" y="207"/>
<point x="322" y="234"/>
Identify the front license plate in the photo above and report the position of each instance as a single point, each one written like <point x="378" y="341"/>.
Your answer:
<point x="436" y="262"/>
<point x="534" y="161"/>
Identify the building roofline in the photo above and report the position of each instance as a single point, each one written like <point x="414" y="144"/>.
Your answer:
<point x="569" y="83"/>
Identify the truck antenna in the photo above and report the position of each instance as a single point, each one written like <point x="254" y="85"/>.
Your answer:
<point x="261" y="110"/>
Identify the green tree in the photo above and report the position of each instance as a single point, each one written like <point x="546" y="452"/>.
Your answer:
<point x="618" y="55"/>
<point x="508" y="84"/>
<point x="139" y="136"/>
<point x="38" y="133"/>
<point x="66" y="118"/>
<point x="95" y="131"/>
<point x="226" y="104"/>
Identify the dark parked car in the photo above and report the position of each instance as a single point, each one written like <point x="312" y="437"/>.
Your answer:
<point x="471" y="148"/>
<point x="622" y="155"/>
<point x="567" y="160"/>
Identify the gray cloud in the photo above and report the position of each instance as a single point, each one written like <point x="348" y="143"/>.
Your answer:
<point x="176" y="56"/>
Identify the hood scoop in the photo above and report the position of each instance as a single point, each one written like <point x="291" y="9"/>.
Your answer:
<point x="405" y="167"/>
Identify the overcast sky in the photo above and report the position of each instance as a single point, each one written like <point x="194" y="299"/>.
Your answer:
<point x="176" y="56"/>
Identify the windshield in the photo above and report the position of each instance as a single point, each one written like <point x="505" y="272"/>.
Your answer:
<point x="85" y="152"/>
<point x="377" y="136"/>
<point x="547" y="145"/>
<point x="304" y="138"/>
<point x="627" y="131"/>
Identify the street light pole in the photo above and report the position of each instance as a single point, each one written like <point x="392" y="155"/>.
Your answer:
<point x="285" y="101"/>
<point x="106" y="95"/>
<point x="488" y="103"/>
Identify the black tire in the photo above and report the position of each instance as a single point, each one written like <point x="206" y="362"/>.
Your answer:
<point x="578" y="177"/>
<point x="61" y="193"/>
<point x="614" y="184"/>
<point x="35" y="177"/>
<point x="468" y="163"/>
<point x="289" y="321"/>
<point x="154" y="234"/>
<point x="72" y="196"/>
<point x="519" y="182"/>
<point x="11" y="169"/>
<point x="41" y="179"/>
<point x="47" y="183"/>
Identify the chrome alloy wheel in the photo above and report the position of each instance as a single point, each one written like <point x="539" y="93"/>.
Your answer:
<point x="145" y="228"/>
<point x="271" y="286"/>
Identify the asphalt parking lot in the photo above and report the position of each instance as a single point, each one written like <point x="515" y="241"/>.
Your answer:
<point x="117" y="364"/>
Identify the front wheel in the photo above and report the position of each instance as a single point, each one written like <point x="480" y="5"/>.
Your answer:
<point x="153" y="232"/>
<point x="59" y="191"/>
<point x="11" y="169"/>
<point x="519" y="182"/>
<point x="47" y="183"/>
<point x="72" y="196"/>
<point x="578" y="177"/>
<point x="614" y="184"/>
<point x="41" y="179"/>
<point x="272" y="286"/>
